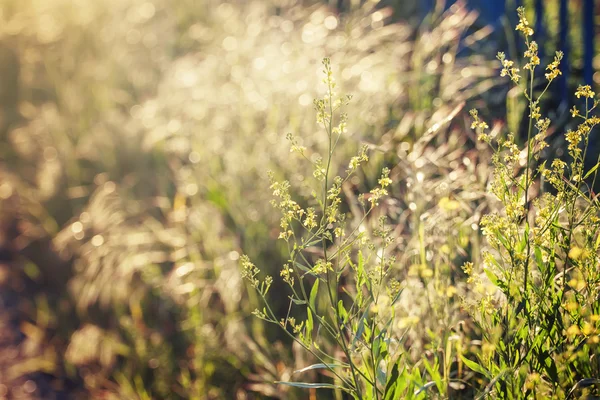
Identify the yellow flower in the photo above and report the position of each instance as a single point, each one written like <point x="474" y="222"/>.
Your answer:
<point x="523" y="25"/>
<point x="585" y="91"/>
<point x="571" y="306"/>
<point x="573" y="330"/>
<point x="575" y="253"/>
<point x="451" y="291"/>
<point x="427" y="273"/>
<point x="408" y="322"/>
<point x="574" y="112"/>
<point x="588" y="329"/>
<point x="532" y="380"/>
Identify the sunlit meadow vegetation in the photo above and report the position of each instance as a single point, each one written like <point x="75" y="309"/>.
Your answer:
<point x="533" y="292"/>
<point x="136" y="138"/>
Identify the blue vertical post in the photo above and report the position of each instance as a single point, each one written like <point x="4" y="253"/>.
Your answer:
<point x="539" y="26"/>
<point x="588" y="41"/>
<point x="493" y="11"/>
<point x="564" y="46"/>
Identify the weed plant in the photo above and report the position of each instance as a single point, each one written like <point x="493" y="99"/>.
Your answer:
<point x="532" y="292"/>
<point x="345" y="288"/>
<point x="538" y="309"/>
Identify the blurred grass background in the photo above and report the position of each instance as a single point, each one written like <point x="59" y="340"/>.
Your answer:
<point x="135" y="137"/>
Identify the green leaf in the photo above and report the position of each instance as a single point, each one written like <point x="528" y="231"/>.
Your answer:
<point x="491" y="276"/>
<point x="424" y="387"/>
<point x="538" y="256"/>
<point x="435" y="374"/>
<point x="502" y="239"/>
<point x="342" y="313"/>
<point x="309" y="324"/>
<point x="310" y="385"/>
<point x="313" y="295"/>
<point x="474" y="366"/>
<point x="319" y="366"/>
<point x="397" y="297"/>
<point x="302" y="267"/>
<point x="583" y="383"/>
<point x="361" y="327"/>
<point x="381" y="376"/>
<point x="591" y="171"/>
<point x="393" y="383"/>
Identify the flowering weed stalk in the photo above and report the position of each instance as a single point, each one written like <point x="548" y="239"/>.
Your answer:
<point x="337" y="272"/>
<point x="539" y="309"/>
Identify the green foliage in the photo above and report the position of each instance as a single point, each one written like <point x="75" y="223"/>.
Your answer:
<point x="533" y="292"/>
<point x="340" y="297"/>
<point x="538" y="311"/>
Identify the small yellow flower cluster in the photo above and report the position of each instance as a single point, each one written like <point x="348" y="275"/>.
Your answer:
<point x="534" y="110"/>
<point x="328" y="73"/>
<point x="379" y="192"/>
<point x="333" y="195"/>
<point x="540" y="138"/>
<point x="295" y="147"/>
<point x="494" y="225"/>
<point x="310" y="221"/>
<point x="555" y="175"/>
<point x="290" y="210"/>
<point x="487" y="304"/>
<point x="575" y="112"/>
<point x="296" y="327"/>
<point x="393" y="287"/>
<point x="553" y="67"/>
<point x="249" y="272"/>
<point x="322" y="115"/>
<point x="513" y="152"/>
<point x="341" y="128"/>
<point x="468" y="270"/>
<point x="321" y="267"/>
<point x="532" y="54"/>
<point x="586" y="328"/>
<point x="575" y="137"/>
<point x="585" y="91"/>
<point x="523" y="25"/>
<point x="259" y="314"/>
<point x="533" y="380"/>
<point x="319" y="171"/>
<point x="480" y="126"/>
<point x="544" y="206"/>
<point x="286" y="274"/>
<point x="573" y="330"/>
<point x="357" y="160"/>
<point x="508" y="69"/>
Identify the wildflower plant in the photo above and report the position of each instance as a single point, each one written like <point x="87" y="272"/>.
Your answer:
<point x="539" y="310"/>
<point x="337" y="272"/>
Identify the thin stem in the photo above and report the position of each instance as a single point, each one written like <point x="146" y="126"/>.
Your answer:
<point x="527" y="183"/>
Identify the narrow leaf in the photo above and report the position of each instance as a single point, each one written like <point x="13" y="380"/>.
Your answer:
<point x="310" y="385"/>
<point x="491" y="276"/>
<point x="318" y="366"/>
<point x="313" y="294"/>
<point x="591" y="171"/>
<point x="474" y="366"/>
